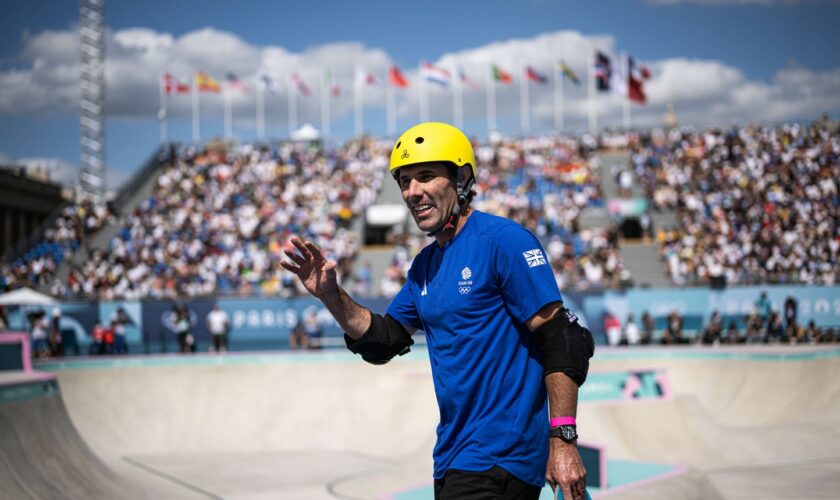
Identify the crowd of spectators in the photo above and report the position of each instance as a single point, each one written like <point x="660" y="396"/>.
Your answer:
<point x="219" y="218"/>
<point x="753" y="205"/>
<point x="37" y="267"/>
<point x="761" y="325"/>
<point x="543" y="183"/>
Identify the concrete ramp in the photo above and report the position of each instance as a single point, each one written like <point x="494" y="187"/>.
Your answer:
<point x="736" y="423"/>
<point x="754" y="423"/>
<point x="42" y="455"/>
<point x="256" y="426"/>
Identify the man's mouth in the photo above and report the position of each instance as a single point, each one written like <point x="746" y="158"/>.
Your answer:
<point x="422" y="210"/>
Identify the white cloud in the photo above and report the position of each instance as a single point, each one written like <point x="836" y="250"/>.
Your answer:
<point x="705" y="92"/>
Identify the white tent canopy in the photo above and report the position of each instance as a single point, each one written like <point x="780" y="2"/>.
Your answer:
<point x="306" y="133"/>
<point x="386" y="214"/>
<point x="26" y="297"/>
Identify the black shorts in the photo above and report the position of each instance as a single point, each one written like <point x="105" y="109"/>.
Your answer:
<point x="496" y="484"/>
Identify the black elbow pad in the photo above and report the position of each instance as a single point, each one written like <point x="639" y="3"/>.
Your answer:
<point x="384" y="339"/>
<point x="566" y="346"/>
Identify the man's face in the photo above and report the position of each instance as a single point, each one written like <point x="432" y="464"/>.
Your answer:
<point x="429" y="194"/>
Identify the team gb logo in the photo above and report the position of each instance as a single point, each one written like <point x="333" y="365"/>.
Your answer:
<point x="465" y="285"/>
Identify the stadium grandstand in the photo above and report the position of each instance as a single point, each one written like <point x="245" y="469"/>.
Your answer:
<point x="692" y="209"/>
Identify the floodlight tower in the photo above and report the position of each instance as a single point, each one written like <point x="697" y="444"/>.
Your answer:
<point x="92" y="99"/>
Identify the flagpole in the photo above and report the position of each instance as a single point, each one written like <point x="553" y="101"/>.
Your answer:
<point x="196" y="125"/>
<point x="390" y="108"/>
<point x="626" y="104"/>
<point x="523" y="102"/>
<point x="424" y="96"/>
<point x="324" y="125"/>
<point x="593" y="113"/>
<point x="457" y="100"/>
<point x="162" y="110"/>
<point x="226" y="102"/>
<point x="260" y="109"/>
<point x="292" y="108"/>
<point x="491" y="101"/>
<point x="558" y="99"/>
<point x="357" y="124"/>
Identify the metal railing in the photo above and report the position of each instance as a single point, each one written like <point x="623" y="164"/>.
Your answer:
<point x="164" y="154"/>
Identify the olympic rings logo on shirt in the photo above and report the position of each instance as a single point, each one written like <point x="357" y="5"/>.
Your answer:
<point x="464" y="289"/>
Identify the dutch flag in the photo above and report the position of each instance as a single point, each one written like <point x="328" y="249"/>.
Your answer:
<point x="434" y="74"/>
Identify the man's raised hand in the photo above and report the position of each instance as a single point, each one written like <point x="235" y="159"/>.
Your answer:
<point x="310" y="266"/>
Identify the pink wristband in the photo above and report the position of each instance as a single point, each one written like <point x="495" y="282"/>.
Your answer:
<point x="557" y="421"/>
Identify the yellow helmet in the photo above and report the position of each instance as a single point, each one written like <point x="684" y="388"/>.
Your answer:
<point x="432" y="141"/>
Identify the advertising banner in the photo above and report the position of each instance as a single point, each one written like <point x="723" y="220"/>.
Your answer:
<point x="109" y="312"/>
<point x="626" y="386"/>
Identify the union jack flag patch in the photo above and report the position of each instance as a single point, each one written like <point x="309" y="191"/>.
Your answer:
<point x="534" y="257"/>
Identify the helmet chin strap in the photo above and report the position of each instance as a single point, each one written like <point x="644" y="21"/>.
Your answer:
<point x="462" y="187"/>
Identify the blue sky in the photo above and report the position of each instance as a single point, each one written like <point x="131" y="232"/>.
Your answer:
<point x="718" y="61"/>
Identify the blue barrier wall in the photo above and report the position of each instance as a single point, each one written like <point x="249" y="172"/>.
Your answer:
<point x="261" y="322"/>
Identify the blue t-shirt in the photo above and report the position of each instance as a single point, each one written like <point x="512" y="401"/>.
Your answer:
<point x="472" y="297"/>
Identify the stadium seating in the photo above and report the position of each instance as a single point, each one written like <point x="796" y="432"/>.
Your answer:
<point x="754" y="205"/>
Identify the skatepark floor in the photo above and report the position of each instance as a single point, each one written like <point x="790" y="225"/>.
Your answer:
<point x="738" y="423"/>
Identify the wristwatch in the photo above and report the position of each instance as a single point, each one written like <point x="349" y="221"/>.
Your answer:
<point x="567" y="433"/>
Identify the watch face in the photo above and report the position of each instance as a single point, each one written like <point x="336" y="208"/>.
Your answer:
<point x="568" y="432"/>
<point x="565" y="432"/>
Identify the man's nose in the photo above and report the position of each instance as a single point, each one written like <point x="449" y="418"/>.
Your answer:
<point x="413" y="189"/>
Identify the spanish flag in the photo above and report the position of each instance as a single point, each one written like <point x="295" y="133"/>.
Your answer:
<point x="206" y="83"/>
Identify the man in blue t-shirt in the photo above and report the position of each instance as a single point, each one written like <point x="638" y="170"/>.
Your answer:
<point x="505" y="355"/>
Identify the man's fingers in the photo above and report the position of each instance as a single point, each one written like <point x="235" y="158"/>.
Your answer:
<point x="301" y="247"/>
<point x="567" y="492"/>
<point x="296" y="257"/>
<point x="582" y="486"/>
<point x="315" y="251"/>
<point x="289" y="267"/>
<point x="579" y="489"/>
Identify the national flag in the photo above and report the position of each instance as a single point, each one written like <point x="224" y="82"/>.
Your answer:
<point x="618" y="80"/>
<point x="534" y="257"/>
<point x="535" y="76"/>
<point x="233" y="83"/>
<point x="329" y="80"/>
<point x="397" y="78"/>
<point x="172" y="86"/>
<point x="466" y="81"/>
<point x="568" y="73"/>
<point x="206" y="83"/>
<point x="268" y="84"/>
<point x="365" y="78"/>
<point x="434" y="74"/>
<point x="603" y="72"/>
<point x="638" y="74"/>
<point x="301" y="85"/>
<point x="502" y="76"/>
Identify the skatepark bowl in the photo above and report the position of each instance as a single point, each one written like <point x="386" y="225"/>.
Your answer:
<point x="665" y="423"/>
